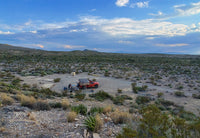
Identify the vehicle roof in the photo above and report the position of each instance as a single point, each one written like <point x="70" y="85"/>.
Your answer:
<point x="84" y="80"/>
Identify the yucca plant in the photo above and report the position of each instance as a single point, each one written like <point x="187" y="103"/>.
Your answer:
<point x="90" y="123"/>
<point x="93" y="123"/>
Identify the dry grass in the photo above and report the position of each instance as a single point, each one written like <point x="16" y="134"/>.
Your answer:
<point x="65" y="103"/>
<point x="31" y="116"/>
<point x="6" y="100"/>
<point x="71" y="116"/>
<point x="28" y="101"/>
<point x="2" y="129"/>
<point x="120" y="117"/>
<point x="107" y="109"/>
<point x="99" y="123"/>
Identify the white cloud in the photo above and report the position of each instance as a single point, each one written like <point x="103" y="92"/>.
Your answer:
<point x="172" y="45"/>
<point x="187" y="10"/>
<point x="158" y="14"/>
<point x="92" y="10"/>
<point x="6" y="33"/>
<point x="121" y="3"/>
<point x="73" y="46"/>
<point x="125" y="42"/>
<point x="127" y="27"/>
<point x="33" y="45"/>
<point x="34" y="32"/>
<point x="144" y="4"/>
<point x="123" y="27"/>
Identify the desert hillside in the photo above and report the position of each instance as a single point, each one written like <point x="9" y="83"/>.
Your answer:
<point x="138" y="95"/>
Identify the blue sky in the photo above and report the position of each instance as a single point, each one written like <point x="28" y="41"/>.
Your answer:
<point x="127" y="26"/>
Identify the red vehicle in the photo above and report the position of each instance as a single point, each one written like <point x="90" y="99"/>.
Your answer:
<point x="86" y="83"/>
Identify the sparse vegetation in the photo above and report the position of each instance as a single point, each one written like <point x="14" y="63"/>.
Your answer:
<point x="65" y="104"/>
<point x="120" y="117"/>
<point x="56" y="80"/>
<point x="80" y="109"/>
<point x="93" y="123"/>
<point x="179" y="94"/>
<point x="101" y="96"/>
<point x="6" y="100"/>
<point x="71" y="116"/>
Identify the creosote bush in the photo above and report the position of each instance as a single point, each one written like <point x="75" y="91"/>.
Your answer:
<point x="101" y="96"/>
<point x="41" y="105"/>
<point x="179" y="94"/>
<point x="56" y="80"/>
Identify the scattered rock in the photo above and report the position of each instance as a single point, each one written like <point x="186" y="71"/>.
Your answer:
<point x="95" y="135"/>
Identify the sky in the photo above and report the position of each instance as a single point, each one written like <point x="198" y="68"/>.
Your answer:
<point x="118" y="26"/>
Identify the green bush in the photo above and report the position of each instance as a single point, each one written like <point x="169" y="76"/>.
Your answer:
<point x="127" y="133"/>
<point x="165" y="102"/>
<point x="95" y="110"/>
<point x="118" y="100"/>
<point x="101" y="96"/>
<point x="142" y="99"/>
<point x="41" y="105"/>
<point x="179" y="94"/>
<point x="56" y="80"/>
<point x="119" y="90"/>
<point x="55" y="105"/>
<point x="126" y="97"/>
<point x="80" y="96"/>
<point x="160" y="94"/>
<point x="93" y="123"/>
<point x="196" y="96"/>
<point x="80" y="109"/>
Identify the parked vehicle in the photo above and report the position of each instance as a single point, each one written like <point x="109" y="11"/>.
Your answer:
<point x="86" y="83"/>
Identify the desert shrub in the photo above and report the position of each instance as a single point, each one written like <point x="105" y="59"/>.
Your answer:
<point x="118" y="100"/>
<point x="98" y="123"/>
<point x="80" y="96"/>
<point x="27" y="101"/>
<point x="189" y="116"/>
<point x="41" y="105"/>
<point x="93" y="123"/>
<point x="90" y="122"/>
<point x="107" y="109"/>
<point x="165" y="102"/>
<point x="80" y="109"/>
<point x="47" y="92"/>
<point x="127" y="133"/>
<point x="101" y="96"/>
<point x="16" y="82"/>
<point x="56" y="80"/>
<point x="153" y="123"/>
<point x="65" y="104"/>
<point x="196" y="96"/>
<point x="119" y="90"/>
<point x="136" y="88"/>
<point x="160" y="94"/>
<point x="55" y="105"/>
<point x="126" y="97"/>
<point x="6" y="100"/>
<point x="142" y="99"/>
<point x="120" y="117"/>
<point x="179" y="94"/>
<point x="71" y="116"/>
<point x="95" y="110"/>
